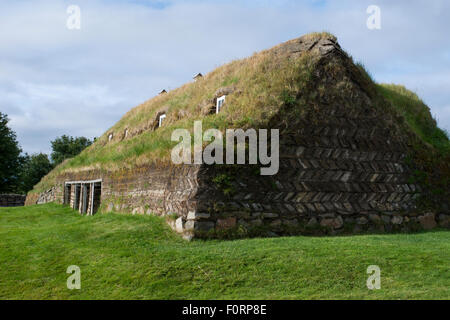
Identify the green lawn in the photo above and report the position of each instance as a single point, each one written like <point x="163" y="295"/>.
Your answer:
<point x="139" y="257"/>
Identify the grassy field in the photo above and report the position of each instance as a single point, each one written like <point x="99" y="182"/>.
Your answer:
<point x="139" y="257"/>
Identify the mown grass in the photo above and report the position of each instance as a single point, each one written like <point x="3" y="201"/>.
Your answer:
<point x="139" y="257"/>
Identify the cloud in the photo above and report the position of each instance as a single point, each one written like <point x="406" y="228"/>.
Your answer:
<point x="56" y="81"/>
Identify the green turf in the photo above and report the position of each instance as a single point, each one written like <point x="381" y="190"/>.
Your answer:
<point x="417" y="115"/>
<point x="139" y="257"/>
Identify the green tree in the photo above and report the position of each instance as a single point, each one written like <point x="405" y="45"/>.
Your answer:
<point x="66" y="147"/>
<point x="10" y="159"/>
<point x="34" y="167"/>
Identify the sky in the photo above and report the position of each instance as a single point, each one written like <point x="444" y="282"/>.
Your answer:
<point x="80" y="82"/>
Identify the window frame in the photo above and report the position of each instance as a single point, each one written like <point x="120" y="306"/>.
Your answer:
<point x="219" y="103"/>
<point x="160" y="119"/>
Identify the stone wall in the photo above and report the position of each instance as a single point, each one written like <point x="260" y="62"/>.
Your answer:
<point x="163" y="190"/>
<point x="318" y="190"/>
<point x="48" y="196"/>
<point x="314" y="193"/>
<point x="12" y="200"/>
<point x="333" y="179"/>
<point x="151" y="190"/>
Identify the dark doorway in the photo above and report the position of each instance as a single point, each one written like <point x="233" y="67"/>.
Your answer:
<point x="67" y="194"/>
<point x="96" y="198"/>
<point x="76" y="200"/>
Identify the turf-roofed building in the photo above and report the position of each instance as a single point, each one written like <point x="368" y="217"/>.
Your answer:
<point x="354" y="156"/>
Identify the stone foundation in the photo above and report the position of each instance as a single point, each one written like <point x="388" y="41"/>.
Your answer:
<point x="300" y="199"/>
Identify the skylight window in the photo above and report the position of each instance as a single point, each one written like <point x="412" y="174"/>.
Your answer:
<point x="219" y="104"/>
<point x="161" y="119"/>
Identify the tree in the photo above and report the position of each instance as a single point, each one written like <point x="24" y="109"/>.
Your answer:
<point x="10" y="159"/>
<point x="68" y="147"/>
<point x="34" y="168"/>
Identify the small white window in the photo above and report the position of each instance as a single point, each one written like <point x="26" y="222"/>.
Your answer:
<point x="161" y="119"/>
<point x="110" y="136"/>
<point x="220" y="102"/>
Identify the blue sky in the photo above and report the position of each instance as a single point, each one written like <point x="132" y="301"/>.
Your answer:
<point x="56" y="81"/>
